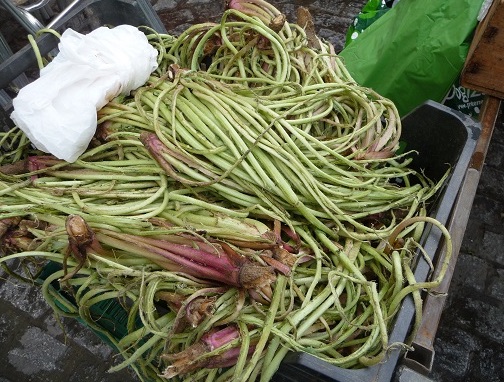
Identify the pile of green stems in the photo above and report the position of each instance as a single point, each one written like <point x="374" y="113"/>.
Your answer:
<point x="275" y="133"/>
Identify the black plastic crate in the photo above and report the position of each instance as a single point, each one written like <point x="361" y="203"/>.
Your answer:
<point x="444" y="139"/>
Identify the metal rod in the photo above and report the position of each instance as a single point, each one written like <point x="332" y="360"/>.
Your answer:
<point x="63" y="14"/>
<point x="35" y="6"/>
<point x="27" y="20"/>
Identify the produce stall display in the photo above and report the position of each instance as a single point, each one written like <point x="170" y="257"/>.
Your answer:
<point x="249" y="203"/>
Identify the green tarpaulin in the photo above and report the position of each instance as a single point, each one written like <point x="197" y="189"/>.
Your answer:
<point x="415" y="51"/>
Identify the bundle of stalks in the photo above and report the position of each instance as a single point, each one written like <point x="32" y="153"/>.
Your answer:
<point x="246" y="202"/>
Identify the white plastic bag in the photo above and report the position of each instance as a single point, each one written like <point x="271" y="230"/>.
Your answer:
<point x="58" y="111"/>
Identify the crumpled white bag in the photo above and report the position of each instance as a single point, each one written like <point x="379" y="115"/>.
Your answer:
<point x="58" y="111"/>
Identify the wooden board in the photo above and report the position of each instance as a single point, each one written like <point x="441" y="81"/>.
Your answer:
<point x="484" y="67"/>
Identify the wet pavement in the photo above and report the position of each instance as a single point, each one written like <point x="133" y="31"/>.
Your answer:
<point x="36" y="346"/>
<point x="470" y="340"/>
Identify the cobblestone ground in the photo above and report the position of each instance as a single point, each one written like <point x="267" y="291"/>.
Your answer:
<point x="38" y="347"/>
<point x="332" y="18"/>
<point x="470" y="341"/>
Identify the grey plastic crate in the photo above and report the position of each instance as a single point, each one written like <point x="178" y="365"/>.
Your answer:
<point x="443" y="138"/>
<point x="82" y="16"/>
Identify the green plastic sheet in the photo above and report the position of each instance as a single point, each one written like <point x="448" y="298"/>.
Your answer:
<point x="415" y="51"/>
